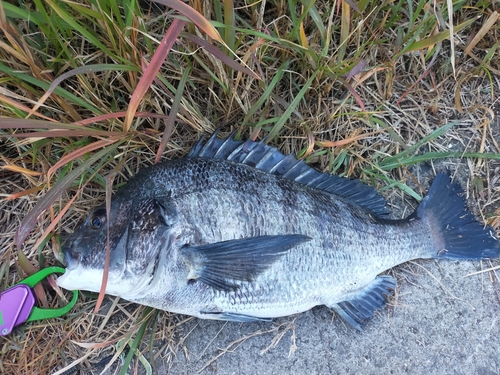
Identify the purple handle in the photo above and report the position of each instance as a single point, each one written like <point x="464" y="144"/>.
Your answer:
<point x="16" y="304"/>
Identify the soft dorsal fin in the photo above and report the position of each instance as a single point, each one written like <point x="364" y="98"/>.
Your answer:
<point x="268" y="159"/>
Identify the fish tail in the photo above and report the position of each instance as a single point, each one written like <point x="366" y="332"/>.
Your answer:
<point x="457" y="234"/>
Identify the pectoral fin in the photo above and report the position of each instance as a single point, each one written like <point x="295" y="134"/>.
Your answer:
<point x="221" y="265"/>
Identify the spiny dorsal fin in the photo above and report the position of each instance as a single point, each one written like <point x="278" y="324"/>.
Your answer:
<point x="268" y="159"/>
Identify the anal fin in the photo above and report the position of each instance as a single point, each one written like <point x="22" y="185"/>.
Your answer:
<point x="363" y="305"/>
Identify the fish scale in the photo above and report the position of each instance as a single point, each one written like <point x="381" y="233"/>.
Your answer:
<point x="238" y="231"/>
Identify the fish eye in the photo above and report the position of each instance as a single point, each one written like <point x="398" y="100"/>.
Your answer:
<point x="96" y="220"/>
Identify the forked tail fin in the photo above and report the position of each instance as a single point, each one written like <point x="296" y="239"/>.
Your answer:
<point x="461" y="236"/>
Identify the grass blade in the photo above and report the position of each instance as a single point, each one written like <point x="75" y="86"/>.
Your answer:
<point x="80" y="152"/>
<point x="29" y="221"/>
<point x="353" y="93"/>
<point x="115" y="115"/>
<point x="12" y="11"/>
<point x="80" y="70"/>
<point x="30" y="269"/>
<point x="424" y="43"/>
<point x="295" y="102"/>
<point x="83" y="31"/>
<point x="220" y="55"/>
<point x="146" y="318"/>
<point x="411" y="149"/>
<point x="229" y="35"/>
<point x="169" y="126"/>
<point x="41" y="128"/>
<point x="109" y="183"/>
<point x="267" y="92"/>
<point x="318" y="21"/>
<point x="449" y="4"/>
<point x="344" y="30"/>
<point x="152" y="69"/>
<point x="490" y="22"/>
<point x="22" y="107"/>
<point x="194" y="16"/>
<point x="396" y="161"/>
<point x="44" y="85"/>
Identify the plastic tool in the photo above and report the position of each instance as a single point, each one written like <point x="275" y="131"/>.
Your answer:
<point x="17" y="304"/>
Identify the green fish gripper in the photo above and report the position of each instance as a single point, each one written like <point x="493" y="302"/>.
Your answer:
<point x="39" y="313"/>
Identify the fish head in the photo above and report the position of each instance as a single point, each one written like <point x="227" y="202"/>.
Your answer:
<point x="138" y="231"/>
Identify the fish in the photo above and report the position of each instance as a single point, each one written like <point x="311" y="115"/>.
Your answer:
<point x="238" y="231"/>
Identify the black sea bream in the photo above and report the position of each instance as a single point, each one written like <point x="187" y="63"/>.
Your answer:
<point x="238" y="231"/>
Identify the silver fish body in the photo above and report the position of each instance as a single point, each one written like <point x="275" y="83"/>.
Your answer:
<point x="237" y="231"/>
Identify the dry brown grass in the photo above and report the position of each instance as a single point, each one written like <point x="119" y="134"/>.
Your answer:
<point x="407" y="105"/>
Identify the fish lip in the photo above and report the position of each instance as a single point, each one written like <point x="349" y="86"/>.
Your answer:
<point x="71" y="258"/>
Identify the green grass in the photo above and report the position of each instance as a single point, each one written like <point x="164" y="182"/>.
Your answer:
<point x="364" y="92"/>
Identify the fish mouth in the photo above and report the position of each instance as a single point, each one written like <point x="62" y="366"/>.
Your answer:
<point x="71" y="258"/>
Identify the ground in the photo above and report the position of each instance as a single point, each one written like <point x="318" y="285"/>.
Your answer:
<point x="440" y="322"/>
